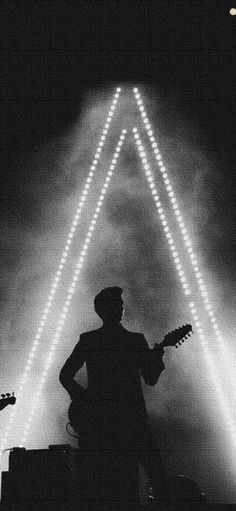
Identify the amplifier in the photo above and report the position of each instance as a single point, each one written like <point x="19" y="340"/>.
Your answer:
<point x="61" y="478"/>
<point x="40" y="479"/>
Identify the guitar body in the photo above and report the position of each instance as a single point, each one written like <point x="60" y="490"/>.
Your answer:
<point x="79" y="414"/>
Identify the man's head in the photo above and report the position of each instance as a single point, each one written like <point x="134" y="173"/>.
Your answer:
<point x="109" y="306"/>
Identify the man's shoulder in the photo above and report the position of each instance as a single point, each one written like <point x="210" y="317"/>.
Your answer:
<point x="98" y="334"/>
<point x="92" y="334"/>
<point x="133" y="336"/>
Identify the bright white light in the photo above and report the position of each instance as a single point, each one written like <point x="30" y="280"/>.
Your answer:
<point x="162" y="216"/>
<point x="63" y="315"/>
<point x="203" y="294"/>
<point x="65" y="251"/>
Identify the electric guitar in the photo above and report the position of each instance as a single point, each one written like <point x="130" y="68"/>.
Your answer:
<point x="7" y="399"/>
<point x="80" y="411"/>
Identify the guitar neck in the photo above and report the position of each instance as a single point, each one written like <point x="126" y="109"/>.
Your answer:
<point x="176" y="337"/>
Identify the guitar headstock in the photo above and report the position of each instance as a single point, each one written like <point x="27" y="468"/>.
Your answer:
<point x="177" y="336"/>
<point x="8" y="399"/>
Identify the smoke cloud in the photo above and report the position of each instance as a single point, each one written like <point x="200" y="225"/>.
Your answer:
<point x="129" y="249"/>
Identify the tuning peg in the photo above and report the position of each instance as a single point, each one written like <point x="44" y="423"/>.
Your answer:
<point x="3" y="395"/>
<point x="176" y="346"/>
<point x="8" y="395"/>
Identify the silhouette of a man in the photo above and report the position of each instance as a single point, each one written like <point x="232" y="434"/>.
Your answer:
<point x="115" y="358"/>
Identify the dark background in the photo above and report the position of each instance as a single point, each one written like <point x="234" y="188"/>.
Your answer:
<point x="54" y="53"/>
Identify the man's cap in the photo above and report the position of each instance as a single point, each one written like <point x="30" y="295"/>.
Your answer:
<point x="109" y="294"/>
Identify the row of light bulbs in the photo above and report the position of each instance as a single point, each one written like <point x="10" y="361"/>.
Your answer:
<point x="225" y="409"/>
<point x="59" y="272"/>
<point x="175" y="206"/>
<point x="188" y="245"/>
<point x="71" y="290"/>
<point x="160" y="210"/>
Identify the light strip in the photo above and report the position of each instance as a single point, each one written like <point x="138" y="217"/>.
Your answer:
<point x="58" y="275"/>
<point x="183" y="230"/>
<point x="71" y="289"/>
<point x="161" y="213"/>
<point x="226" y="412"/>
<point x="224" y="407"/>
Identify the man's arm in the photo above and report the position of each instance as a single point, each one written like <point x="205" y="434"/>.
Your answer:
<point x="151" y="363"/>
<point x="70" y="368"/>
